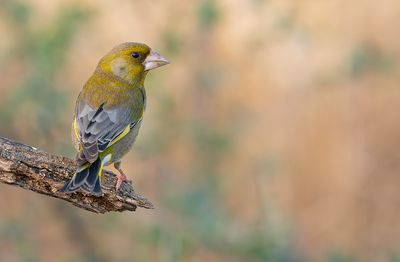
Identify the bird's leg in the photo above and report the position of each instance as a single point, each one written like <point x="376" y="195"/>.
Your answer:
<point x="121" y="177"/>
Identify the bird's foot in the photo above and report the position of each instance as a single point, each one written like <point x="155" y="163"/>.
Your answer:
<point x="120" y="178"/>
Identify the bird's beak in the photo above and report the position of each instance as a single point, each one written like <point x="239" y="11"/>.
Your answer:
<point x="154" y="60"/>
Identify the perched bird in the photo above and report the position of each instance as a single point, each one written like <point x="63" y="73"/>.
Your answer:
<point x="108" y="113"/>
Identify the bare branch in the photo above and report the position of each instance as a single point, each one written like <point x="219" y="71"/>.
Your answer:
<point x="27" y="167"/>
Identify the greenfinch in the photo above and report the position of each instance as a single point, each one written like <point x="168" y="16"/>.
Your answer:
<point x="109" y="112"/>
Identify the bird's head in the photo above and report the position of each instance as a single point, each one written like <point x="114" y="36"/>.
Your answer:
<point x="131" y="61"/>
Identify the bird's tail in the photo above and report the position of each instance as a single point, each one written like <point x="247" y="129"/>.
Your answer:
<point x="86" y="177"/>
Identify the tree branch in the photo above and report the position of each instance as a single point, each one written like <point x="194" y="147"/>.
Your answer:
<point x="27" y="167"/>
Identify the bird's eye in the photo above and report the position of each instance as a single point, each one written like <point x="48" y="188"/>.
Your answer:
<point x="135" y="55"/>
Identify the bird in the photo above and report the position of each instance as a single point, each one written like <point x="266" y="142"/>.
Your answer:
<point x="108" y="114"/>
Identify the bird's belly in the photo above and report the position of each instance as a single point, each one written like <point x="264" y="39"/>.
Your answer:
<point x="124" y="145"/>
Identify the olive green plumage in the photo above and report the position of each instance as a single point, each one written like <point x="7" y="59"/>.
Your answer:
<point x="109" y="112"/>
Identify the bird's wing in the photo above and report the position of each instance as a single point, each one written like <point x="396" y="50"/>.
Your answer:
<point x="99" y="128"/>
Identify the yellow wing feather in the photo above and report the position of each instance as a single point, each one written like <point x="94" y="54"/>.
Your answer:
<point x="120" y="136"/>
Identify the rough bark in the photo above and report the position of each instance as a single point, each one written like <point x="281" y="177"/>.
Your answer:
<point x="27" y="167"/>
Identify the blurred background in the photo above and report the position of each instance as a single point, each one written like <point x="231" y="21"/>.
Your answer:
<point x="272" y="136"/>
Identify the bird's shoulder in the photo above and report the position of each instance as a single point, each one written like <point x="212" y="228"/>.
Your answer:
<point x="113" y="91"/>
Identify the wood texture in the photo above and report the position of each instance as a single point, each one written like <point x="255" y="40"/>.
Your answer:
<point x="29" y="168"/>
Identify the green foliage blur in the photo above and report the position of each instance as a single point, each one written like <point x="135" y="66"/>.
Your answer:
<point x="42" y="53"/>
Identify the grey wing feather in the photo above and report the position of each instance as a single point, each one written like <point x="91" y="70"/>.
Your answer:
<point x="98" y="127"/>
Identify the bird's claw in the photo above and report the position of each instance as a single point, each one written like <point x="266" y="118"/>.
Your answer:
<point x="120" y="178"/>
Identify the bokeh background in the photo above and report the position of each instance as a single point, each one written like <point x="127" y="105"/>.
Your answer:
<point x="273" y="135"/>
